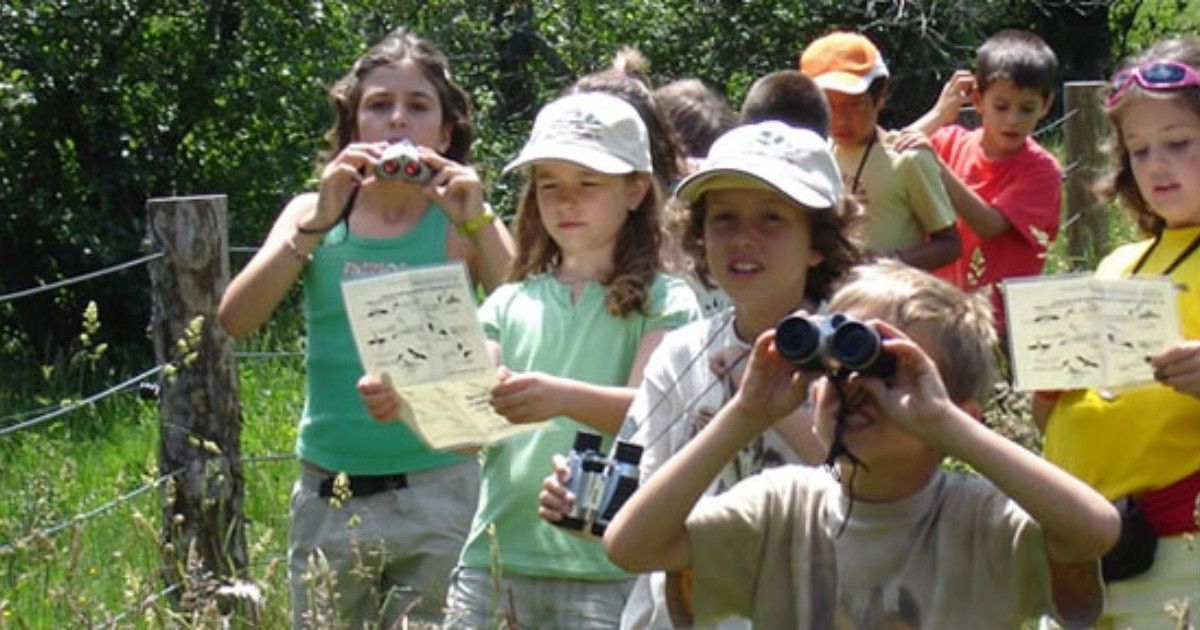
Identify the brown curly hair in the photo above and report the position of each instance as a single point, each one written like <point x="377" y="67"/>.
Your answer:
<point x="1119" y="181"/>
<point x="398" y="46"/>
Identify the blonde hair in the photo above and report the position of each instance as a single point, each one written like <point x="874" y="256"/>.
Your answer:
<point x="962" y="332"/>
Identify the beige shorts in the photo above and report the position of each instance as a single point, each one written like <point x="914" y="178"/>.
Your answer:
<point x="381" y="557"/>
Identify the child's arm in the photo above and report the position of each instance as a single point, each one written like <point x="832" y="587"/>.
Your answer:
<point x="486" y="247"/>
<point x="648" y="533"/>
<point x="1079" y="524"/>
<point x="254" y="293"/>
<point x="982" y="218"/>
<point x="942" y="248"/>
<point x="956" y="93"/>
<point x="534" y="396"/>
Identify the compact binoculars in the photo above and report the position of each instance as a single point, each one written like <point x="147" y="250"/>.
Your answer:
<point x="601" y="484"/>
<point x="402" y="161"/>
<point x="832" y="343"/>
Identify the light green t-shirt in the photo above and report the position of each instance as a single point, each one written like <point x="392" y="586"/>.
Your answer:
<point x="540" y="329"/>
<point x="336" y="433"/>
<point x="902" y="194"/>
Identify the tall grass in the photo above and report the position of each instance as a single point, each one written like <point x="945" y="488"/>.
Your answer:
<point x="106" y="567"/>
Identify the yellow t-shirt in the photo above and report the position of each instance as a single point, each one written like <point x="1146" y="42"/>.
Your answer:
<point x="1149" y="437"/>
<point x="902" y="194"/>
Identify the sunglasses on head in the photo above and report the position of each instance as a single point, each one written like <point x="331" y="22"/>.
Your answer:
<point x="1155" y="76"/>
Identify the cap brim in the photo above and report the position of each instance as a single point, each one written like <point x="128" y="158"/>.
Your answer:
<point x="585" y="157"/>
<point x="844" y="82"/>
<point x="754" y="174"/>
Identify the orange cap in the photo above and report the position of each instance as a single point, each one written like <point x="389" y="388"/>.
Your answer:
<point x="843" y="62"/>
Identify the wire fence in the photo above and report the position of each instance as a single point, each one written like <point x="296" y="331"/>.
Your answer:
<point x="85" y="516"/>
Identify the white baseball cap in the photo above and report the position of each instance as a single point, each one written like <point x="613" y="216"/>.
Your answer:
<point x="795" y="162"/>
<point x="592" y="129"/>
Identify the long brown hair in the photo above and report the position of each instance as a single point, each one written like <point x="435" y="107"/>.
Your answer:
<point x="398" y="46"/>
<point x="1119" y="181"/>
<point x="636" y="257"/>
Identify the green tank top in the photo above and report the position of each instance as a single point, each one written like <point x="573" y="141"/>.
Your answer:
<point x="336" y="433"/>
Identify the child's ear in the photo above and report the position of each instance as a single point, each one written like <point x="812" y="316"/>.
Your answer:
<point x="639" y="186"/>
<point x="1048" y="102"/>
<point x="977" y="98"/>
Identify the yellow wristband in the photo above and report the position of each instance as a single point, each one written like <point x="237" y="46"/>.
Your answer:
<point x="472" y="225"/>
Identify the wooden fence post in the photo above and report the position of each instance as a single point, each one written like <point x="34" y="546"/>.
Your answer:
<point x="198" y="403"/>
<point x="1087" y="223"/>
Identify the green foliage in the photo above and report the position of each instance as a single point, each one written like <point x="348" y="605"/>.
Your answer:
<point x="1136" y="24"/>
<point x="108" y="103"/>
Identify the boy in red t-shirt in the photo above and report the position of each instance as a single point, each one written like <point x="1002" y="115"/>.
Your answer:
<point x="1006" y="189"/>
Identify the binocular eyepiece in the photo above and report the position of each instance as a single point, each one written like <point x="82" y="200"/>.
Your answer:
<point x="817" y="342"/>
<point x="402" y="161"/>
<point x="601" y="485"/>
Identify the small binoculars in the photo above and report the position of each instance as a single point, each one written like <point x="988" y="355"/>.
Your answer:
<point x="601" y="484"/>
<point x="402" y="161"/>
<point x="832" y="343"/>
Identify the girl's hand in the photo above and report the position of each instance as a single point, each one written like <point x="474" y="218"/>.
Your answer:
<point x="380" y="398"/>
<point x="348" y="170"/>
<point x="455" y="188"/>
<point x="1179" y="368"/>
<point x="555" y="501"/>
<point x="772" y="387"/>
<point x="527" y="397"/>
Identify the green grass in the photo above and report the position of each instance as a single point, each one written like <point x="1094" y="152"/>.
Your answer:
<point x="107" y="564"/>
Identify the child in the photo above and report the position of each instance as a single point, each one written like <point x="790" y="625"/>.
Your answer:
<point x="787" y="96"/>
<point x="587" y="305"/>
<point x="1144" y="443"/>
<point x="697" y="114"/>
<point x="391" y="550"/>
<point x="1004" y="186"/>
<point x="895" y="539"/>
<point x="909" y="216"/>
<point x="767" y="222"/>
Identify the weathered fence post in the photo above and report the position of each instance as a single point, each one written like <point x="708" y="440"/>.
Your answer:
<point x="1087" y="224"/>
<point x="198" y="404"/>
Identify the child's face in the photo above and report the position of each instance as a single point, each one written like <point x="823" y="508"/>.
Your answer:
<point x="852" y="117"/>
<point x="583" y="210"/>
<point x="1163" y="140"/>
<point x="882" y="445"/>
<point x="399" y="103"/>
<point x="758" y="249"/>
<point x="1009" y="114"/>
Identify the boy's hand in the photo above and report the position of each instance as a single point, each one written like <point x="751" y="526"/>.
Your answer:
<point x="915" y="397"/>
<point x="555" y="501"/>
<point x="382" y="401"/>
<point x="523" y="398"/>
<point x="772" y="387"/>
<point x="911" y="139"/>
<point x="956" y="94"/>
<point x="1179" y="368"/>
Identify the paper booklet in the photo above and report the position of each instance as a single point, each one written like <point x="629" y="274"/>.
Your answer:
<point x="418" y="328"/>
<point x="1072" y="332"/>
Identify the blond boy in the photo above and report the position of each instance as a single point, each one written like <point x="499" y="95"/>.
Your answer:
<point x="895" y="538"/>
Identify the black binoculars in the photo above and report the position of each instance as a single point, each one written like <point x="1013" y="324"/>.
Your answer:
<point x="601" y="484"/>
<point x="402" y="161"/>
<point x="833" y="342"/>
